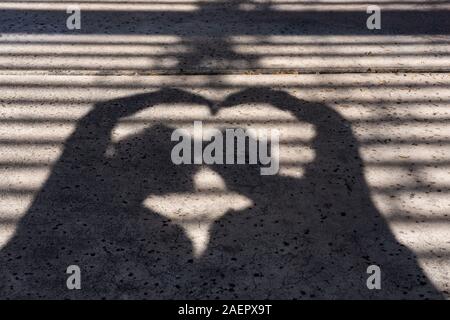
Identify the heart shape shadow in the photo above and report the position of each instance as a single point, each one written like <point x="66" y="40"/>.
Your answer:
<point x="312" y="237"/>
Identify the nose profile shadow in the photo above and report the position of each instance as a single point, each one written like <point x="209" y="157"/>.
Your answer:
<point x="308" y="237"/>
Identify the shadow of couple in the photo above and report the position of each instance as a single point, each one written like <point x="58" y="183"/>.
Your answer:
<point x="302" y="238"/>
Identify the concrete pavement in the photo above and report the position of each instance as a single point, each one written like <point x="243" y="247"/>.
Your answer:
<point x="398" y="124"/>
<point x="197" y="37"/>
<point x="87" y="179"/>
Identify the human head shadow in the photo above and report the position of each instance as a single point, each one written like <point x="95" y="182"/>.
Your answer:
<point x="89" y="212"/>
<point x="312" y="237"/>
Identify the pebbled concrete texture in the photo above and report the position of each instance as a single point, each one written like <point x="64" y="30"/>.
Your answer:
<point x="87" y="180"/>
<point x="217" y="37"/>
